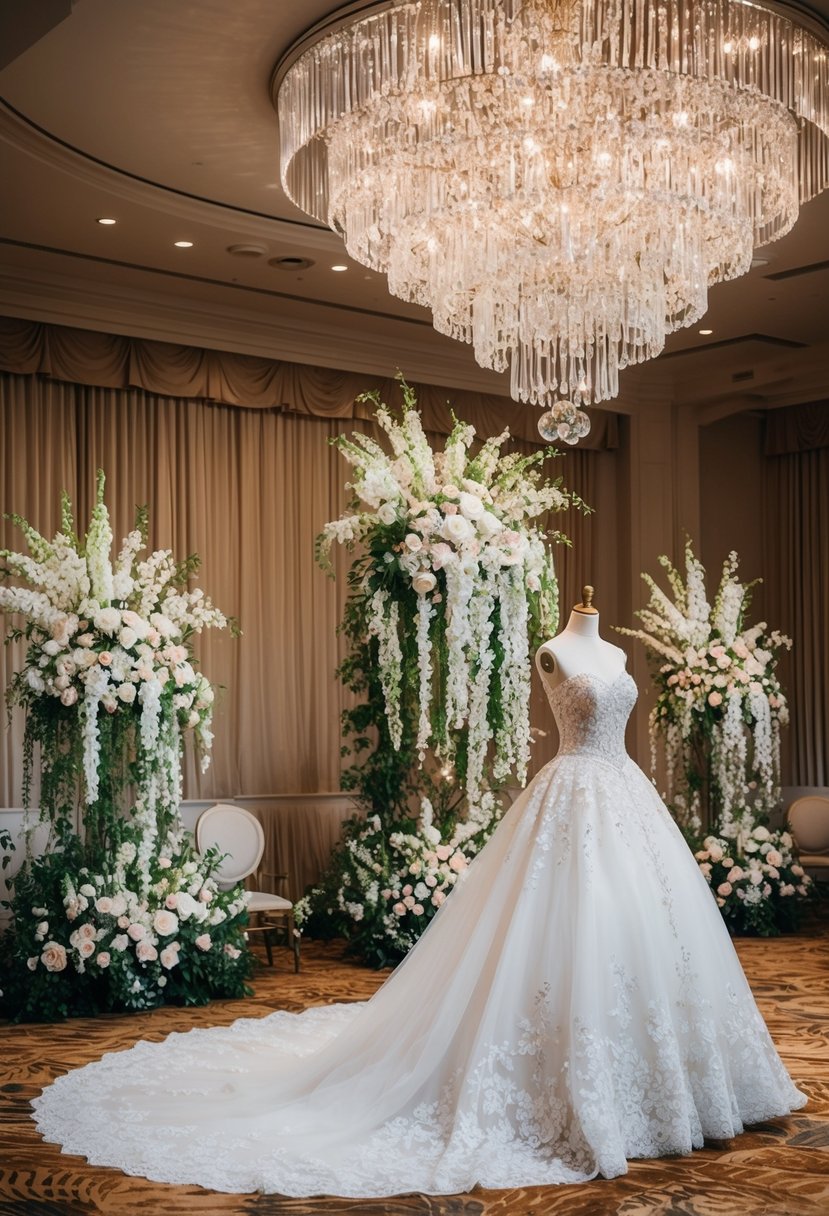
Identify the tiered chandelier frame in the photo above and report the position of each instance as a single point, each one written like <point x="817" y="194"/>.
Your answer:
<point x="559" y="181"/>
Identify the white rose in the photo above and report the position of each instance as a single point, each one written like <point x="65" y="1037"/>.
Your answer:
<point x="457" y="528"/>
<point x="69" y="696"/>
<point x="187" y="906"/>
<point x="761" y="833"/>
<point x="126" y="693"/>
<point x="489" y="525"/>
<point x="424" y="582"/>
<point x="87" y="889"/>
<point x="471" y="506"/>
<point x="413" y="542"/>
<point x="107" y="620"/>
<point x="127" y="637"/>
<point x="31" y="963"/>
<point x="450" y="491"/>
<point x="120" y="941"/>
<point x="146" y="952"/>
<point x="52" y="647"/>
<point x="165" y="922"/>
<point x="387" y="514"/>
<point x="135" y="622"/>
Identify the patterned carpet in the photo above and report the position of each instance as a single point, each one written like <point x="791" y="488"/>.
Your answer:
<point x="777" y="1169"/>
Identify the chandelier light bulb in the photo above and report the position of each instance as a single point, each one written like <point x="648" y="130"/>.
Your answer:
<point x="559" y="181"/>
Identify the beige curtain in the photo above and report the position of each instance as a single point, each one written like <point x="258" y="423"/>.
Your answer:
<point x="797" y="594"/>
<point x="248" y="490"/>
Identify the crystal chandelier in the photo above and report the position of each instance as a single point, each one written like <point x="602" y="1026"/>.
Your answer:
<point x="558" y="181"/>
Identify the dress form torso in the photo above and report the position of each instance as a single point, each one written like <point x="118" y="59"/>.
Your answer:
<point x="579" y="650"/>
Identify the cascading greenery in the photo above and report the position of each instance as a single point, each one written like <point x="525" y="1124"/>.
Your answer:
<point x="453" y="590"/>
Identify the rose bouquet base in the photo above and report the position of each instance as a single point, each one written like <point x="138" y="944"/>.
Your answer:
<point x="92" y="934"/>
<point x="760" y="888"/>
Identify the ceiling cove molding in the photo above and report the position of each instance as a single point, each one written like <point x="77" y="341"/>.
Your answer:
<point x="295" y="334"/>
<point x="33" y="141"/>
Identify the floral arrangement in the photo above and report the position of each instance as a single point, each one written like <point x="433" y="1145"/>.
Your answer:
<point x="759" y="892"/>
<point x="108" y="685"/>
<point x="455" y="557"/>
<point x="385" y="886"/>
<point x="126" y="938"/>
<point x="717" y="717"/>
<point x="453" y="588"/>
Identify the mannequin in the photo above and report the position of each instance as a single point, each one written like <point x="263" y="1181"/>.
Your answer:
<point x="578" y="649"/>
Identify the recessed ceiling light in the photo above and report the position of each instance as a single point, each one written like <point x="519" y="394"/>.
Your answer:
<point x="290" y="263"/>
<point x="248" y="250"/>
<point x="183" y="244"/>
<point x="706" y="332"/>
<point x="105" y="219"/>
<point x="339" y="268"/>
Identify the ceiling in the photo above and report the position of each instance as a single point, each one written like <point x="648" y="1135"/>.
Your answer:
<point x="158" y="115"/>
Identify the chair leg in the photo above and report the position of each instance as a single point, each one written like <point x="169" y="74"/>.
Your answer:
<point x="295" y="941"/>
<point x="268" y="946"/>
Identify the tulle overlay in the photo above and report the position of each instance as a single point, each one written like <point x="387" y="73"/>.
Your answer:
<point x="576" y="1002"/>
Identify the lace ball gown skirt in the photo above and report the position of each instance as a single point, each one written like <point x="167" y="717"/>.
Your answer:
<point x="576" y="1002"/>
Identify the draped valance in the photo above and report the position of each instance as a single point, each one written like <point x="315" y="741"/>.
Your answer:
<point x="82" y="356"/>
<point x="797" y="428"/>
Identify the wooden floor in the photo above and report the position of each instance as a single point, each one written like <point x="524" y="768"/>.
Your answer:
<point x="777" y="1169"/>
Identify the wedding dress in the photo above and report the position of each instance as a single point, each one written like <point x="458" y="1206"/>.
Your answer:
<point x="575" y="1003"/>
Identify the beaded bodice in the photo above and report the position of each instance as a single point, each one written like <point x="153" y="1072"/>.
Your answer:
<point x="591" y="714"/>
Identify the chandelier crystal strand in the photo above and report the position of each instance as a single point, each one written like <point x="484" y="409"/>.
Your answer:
<point x="560" y="183"/>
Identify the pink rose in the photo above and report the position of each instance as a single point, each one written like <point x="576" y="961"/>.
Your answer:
<point x="53" y="956"/>
<point x="438" y="898"/>
<point x="86" y="948"/>
<point x="231" y="951"/>
<point x="103" y="960"/>
<point x="205" y="895"/>
<point x="725" y="888"/>
<point x="409" y="901"/>
<point x="146" y="952"/>
<point x="136" y="932"/>
<point x="164" y="863"/>
<point x="735" y="874"/>
<point x="69" y="696"/>
<point x="103" y="905"/>
<point x="400" y="909"/>
<point x="458" y="863"/>
<point x="443" y="852"/>
<point x="86" y="932"/>
<point x="714" y="699"/>
<point x="407" y="890"/>
<point x="123" y="922"/>
<point x="105" y="658"/>
<point x="418" y="909"/>
<point x="169" y="955"/>
<point x="204" y="941"/>
<point x="171" y="901"/>
<point x="774" y="858"/>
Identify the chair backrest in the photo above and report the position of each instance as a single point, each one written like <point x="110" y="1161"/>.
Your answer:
<point x="809" y="822"/>
<point x="235" y="832"/>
